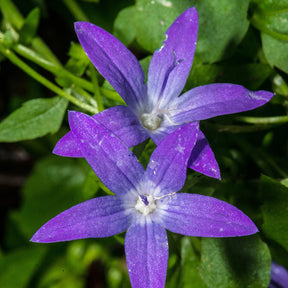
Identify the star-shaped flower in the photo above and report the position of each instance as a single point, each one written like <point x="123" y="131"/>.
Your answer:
<point x="145" y="202"/>
<point x="155" y="110"/>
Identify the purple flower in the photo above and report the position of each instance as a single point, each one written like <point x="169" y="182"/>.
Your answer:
<point x="145" y="202"/>
<point x="156" y="110"/>
<point x="279" y="276"/>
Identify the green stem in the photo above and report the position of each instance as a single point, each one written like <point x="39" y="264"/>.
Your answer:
<point x="57" y="70"/>
<point x="97" y="94"/>
<point x="112" y="95"/>
<point x="22" y="65"/>
<point x="83" y="93"/>
<point x="13" y="16"/>
<point x="40" y="47"/>
<point x="263" y="120"/>
<point x="237" y="128"/>
<point x="76" y="10"/>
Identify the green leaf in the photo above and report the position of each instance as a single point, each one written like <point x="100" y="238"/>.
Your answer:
<point x="29" y="27"/>
<point x="270" y="5"/>
<point x="152" y="19"/>
<point x="90" y="185"/>
<point x="58" y="275"/>
<point x="78" y="62"/>
<point x="17" y="267"/>
<point x="270" y="17"/>
<point x="54" y="186"/>
<point x="11" y="13"/>
<point x="251" y="75"/>
<point x="145" y="65"/>
<point x="190" y="262"/>
<point x="124" y="25"/>
<point x="9" y="38"/>
<point x="235" y="262"/>
<point x="274" y="209"/>
<point x="285" y="182"/>
<point x="34" y="119"/>
<point x="278" y="59"/>
<point x="222" y="26"/>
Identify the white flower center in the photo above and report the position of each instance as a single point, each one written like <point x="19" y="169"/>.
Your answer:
<point x="152" y="121"/>
<point x="145" y="204"/>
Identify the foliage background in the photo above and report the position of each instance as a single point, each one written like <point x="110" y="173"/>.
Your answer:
<point x="241" y="41"/>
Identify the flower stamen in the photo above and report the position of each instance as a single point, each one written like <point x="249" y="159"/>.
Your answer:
<point x="152" y="121"/>
<point x="145" y="204"/>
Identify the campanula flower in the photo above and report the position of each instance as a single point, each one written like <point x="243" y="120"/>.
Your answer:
<point x="279" y="276"/>
<point x="145" y="202"/>
<point x="155" y="110"/>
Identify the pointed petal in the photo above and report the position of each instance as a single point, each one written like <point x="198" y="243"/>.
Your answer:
<point x="146" y="248"/>
<point x="99" y="217"/>
<point x="171" y="64"/>
<point x="120" y="120"/>
<point x="114" y="61"/>
<point x="67" y="147"/>
<point x="111" y="160"/>
<point x="204" y="216"/>
<point x="167" y="167"/>
<point x="279" y="276"/>
<point x="212" y="100"/>
<point x="202" y="158"/>
<point x="161" y="133"/>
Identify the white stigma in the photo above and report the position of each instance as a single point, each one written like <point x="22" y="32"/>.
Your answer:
<point x="145" y="204"/>
<point x="152" y="121"/>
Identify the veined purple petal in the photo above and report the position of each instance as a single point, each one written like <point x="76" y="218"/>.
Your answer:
<point x="111" y="160"/>
<point x="120" y="120"/>
<point x="67" y="146"/>
<point x="167" y="167"/>
<point x="204" y="216"/>
<point x="171" y="64"/>
<point x="99" y="217"/>
<point x="212" y="100"/>
<point x="202" y="158"/>
<point x="114" y="61"/>
<point x="146" y="248"/>
<point x="162" y="132"/>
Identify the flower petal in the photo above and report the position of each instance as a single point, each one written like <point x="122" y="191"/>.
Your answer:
<point x="171" y="64"/>
<point x="67" y="146"/>
<point x="204" y="216"/>
<point x="114" y="61"/>
<point x="99" y="217"/>
<point x="202" y="158"/>
<point x="212" y="100"/>
<point x="120" y="120"/>
<point x="279" y="276"/>
<point x="111" y="160"/>
<point x="168" y="164"/>
<point x="146" y="248"/>
<point x="161" y="133"/>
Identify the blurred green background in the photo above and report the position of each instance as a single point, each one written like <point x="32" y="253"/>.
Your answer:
<point x="242" y="42"/>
